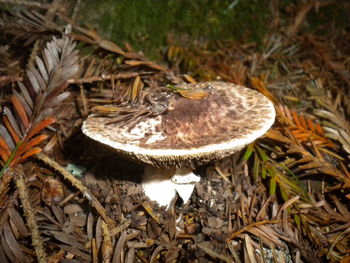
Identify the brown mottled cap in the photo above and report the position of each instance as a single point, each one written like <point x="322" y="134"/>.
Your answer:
<point x="192" y="131"/>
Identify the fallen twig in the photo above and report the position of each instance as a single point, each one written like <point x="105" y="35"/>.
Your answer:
<point x="78" y="185"/>
<point x="29" y="213"/>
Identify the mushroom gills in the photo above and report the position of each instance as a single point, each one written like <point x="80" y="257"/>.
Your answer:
<point x="161" y="184"/>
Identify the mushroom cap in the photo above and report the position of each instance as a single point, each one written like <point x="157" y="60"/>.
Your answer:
<point x="193" y="131"/>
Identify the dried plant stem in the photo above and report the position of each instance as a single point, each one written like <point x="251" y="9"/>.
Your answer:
<point x="29" y="214"/>
<point x="78" y="185"/>
<point x="107" y="248"/>
<point x="213" y="254"/>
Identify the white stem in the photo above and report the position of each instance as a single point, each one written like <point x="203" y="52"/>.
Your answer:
<point x="161" y="185"/>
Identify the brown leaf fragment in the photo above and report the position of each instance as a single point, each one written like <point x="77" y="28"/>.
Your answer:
<point x="193" y="94"/>
<point x="3" y="258"/>
<point x="58" y="212"/>
<point x="275" y="134"/>
<point x="6" y="138"/>
<point x="72" y="208"/>
<point x="130" y="256"/>
<point x="75" y="251"/>
<point x="24" y="147"/>
<point x="94" y="251"/>
<point x="36" y="128"/>
<point x="33" y="81"/>
<point x="5" y="148"/>
<point x="11" y="130"/>
<point x="67" y="239"/>
<point x="90" y="225"/>
<point x="30" y="152"/>
<point x="121" y="227"/>
<point x="342" y="209"/>
<point x="6" y="249"/>
<point x="40" y="81"/>
<point x="110" y="46"/>
<point x="56" y="257"/>
<point x="213" y="254"/>
<point x="98" y="233"/>
<point x="17" y="220"/>
<point x="265" y="238"/>
<point x="190" y="79"/>
<point x="20" y="111"/>
<point x="249" y="250"/>
<point x="25" y="94"/>
<point x="149" y="64"/>
<point x="264" y="222"/>
<point x="13" y="123"/>
<point x="42" y="69"/>
<point x="136" y="89"/>
<point x="13" y="244"/>
<point x="119" y="248"/>
<point x="155" y="254"/>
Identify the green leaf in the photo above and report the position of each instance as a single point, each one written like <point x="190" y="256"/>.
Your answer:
<point x="248" y="152"/>
<point x="9" y="160"/>
<point x="262" y="153"/>
<point x="263" y="171"/>
<point x="297" y="220"/>
<point x="272" y="185"/>
<point x="284" y="193"/>
<point x="256" y="167"/>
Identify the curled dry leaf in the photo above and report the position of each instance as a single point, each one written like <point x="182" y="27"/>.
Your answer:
<point x="52" y="192"/>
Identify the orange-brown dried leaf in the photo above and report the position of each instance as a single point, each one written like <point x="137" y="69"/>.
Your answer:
<point x="20" y="111"/>
<point x="311" y="125"/>
<point x="296" y="120"/>
<point x="260" y="86"/>
<point x="275" y="134"/>
<point x="303" y="121"/>
<point x="4" y="155"/>
<point x="40" y="126"/>
<point x="145" y="63"/>
<point x="136" y="89"/>
<point x="29" y="153"/>
<point x="106" y="109"/>
<point x="319" y="129"/>
<point x="190" y="79"/>
<point x="4" y="146"/>
<point x="11" y="130"/>
<point x="304" y="130"/>
<point x="52" y="192"/>
<point x="33" y="142"/>
<point x="193" y="94"/>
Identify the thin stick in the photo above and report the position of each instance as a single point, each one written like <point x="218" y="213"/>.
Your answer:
<point x="78" y="185"/>
<point x="29" y="214"/>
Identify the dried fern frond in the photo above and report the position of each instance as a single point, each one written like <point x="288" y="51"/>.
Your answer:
<point x="27" y="25"/>
<point x="335" y="124"/>
<point x="303" y="128"/>
<point x="34" y="103"/>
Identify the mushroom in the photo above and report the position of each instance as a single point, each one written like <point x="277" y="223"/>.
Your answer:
<point x="190" y="133"/>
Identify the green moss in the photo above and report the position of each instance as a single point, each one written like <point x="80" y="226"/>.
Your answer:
<point x="145" y="24"/>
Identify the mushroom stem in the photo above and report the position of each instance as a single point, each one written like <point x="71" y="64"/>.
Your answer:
<point x="161" y="184"/>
